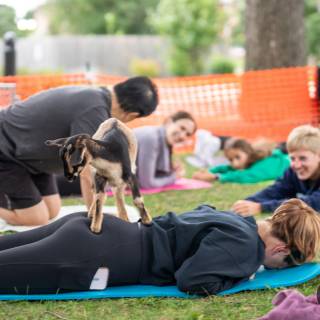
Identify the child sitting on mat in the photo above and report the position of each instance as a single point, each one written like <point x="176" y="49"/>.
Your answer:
<point x="155" y="167"/>
<point x="203" y="251"/>
<point x="249" y="163"/>
<point x="301" y="180"/>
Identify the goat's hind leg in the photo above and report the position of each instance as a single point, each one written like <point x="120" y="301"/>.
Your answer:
<point x="95" y="212"/>
<point x="119" y="198"/>
<point x="138" y="200"/>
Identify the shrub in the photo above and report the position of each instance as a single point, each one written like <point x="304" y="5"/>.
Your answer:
<point x="222" y="65"/>
<point x="144" y="67"/>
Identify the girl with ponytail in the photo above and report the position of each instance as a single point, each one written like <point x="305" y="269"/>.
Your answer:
<point x="249" y="163"/>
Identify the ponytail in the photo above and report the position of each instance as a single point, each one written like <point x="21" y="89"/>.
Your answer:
<point x="297" y="225"/>
<point x="263" y="148"/>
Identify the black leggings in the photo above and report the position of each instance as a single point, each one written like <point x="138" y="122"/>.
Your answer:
<point x="65" y="255"/>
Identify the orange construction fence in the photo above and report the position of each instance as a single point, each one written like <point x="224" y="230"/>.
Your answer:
<point x="266" y="103"/>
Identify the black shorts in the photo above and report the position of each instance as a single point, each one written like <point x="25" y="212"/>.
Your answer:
<point x="19" y="188"/>
<point x="67" y="188"/>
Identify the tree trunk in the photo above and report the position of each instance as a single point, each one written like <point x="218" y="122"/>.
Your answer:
<point x="275" y="34"/>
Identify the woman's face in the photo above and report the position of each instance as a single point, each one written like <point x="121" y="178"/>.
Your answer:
<point x="179" y="131"/>
<point x="238" y="158"/>
<point x="306" y="164"/>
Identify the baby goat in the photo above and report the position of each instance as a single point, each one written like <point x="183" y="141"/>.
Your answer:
<point x="112" y="152"/>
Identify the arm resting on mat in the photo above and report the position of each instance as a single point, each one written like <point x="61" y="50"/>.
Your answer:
<point x="210" y="270"/>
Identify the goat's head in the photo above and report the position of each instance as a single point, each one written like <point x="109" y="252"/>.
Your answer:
<point x="73" y="154"/>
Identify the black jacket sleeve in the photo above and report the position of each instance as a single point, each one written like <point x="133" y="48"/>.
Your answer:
<point x="272" y="197"/>
<point x="210" y="270"/>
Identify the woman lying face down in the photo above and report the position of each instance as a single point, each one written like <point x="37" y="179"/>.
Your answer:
<point x="203" y="251"/>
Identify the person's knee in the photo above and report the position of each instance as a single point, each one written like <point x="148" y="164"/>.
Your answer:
<point x="53" y="203"/>
<point x="33" y="216"/>
<point x="54" y="211"/>
<point x="37" y="219"/>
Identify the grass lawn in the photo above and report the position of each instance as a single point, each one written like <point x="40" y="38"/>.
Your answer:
<point x="247" y="305"/>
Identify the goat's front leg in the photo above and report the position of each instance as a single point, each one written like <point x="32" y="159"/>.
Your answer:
<point x="95" y="211"/>
<point x="120" y="203"/>
<point x="138" y="200"/>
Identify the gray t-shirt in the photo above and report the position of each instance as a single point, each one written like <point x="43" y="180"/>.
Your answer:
<point x="51" y="114"/>
<point x="154" y="158"/>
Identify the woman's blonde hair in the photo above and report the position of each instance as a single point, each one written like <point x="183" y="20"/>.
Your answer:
<point x="256" y="150"/>
<point x="304" y="137"/>
<point x="297" y="225"/>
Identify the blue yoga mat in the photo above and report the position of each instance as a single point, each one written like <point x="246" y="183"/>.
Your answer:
<point x="263" y="280"/>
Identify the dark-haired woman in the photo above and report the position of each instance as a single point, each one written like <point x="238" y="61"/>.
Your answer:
<point x="155" y="167"/>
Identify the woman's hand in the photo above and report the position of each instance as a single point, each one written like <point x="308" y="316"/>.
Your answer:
<point x="179" y="169"/>
<point x="246" y="208"/>
<point x="204" y="175"/>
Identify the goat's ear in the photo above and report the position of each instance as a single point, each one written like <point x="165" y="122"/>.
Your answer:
<point x="58" y="142"/>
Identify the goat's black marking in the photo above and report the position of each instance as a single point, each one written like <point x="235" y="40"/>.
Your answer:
<point x="98" y="204"/>
<point x="133" y="182"/>
<point x="100" y="183"/>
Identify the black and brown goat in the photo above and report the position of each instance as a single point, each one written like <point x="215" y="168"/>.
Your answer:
<point x="112" y="153"/>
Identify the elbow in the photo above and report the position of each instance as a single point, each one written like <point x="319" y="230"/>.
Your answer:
<point x="145" y="183"/>
<point x="203" y="288"/>
<point x="186" y="285"/>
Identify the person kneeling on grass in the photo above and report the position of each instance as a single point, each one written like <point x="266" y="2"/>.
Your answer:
<point x="203" y="251"/>
<point x="28" y="190"/>
<point x="301" y="180"/>
<point x="249" y="163"/>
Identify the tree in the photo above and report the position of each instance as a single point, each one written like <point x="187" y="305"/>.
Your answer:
<point x="7" y="19"/>
<point x="275" y="34"/>
<point x="99" y="16"/>
<point x="192" y="26"/>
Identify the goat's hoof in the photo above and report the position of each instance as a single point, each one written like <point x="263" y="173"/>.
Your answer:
<point x="146" y="220"/>
<point x="95" y="229"/>
<point x="125" y="219"/>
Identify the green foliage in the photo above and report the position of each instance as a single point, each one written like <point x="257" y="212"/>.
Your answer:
<point x="181" y="63"/>
<point x="144" y="67"/>
<point x="7" y="20"/>
<point x="192" y="27"/>
<point x="99" y="16"/>
<point x="310" y="7"/>
<point x="312" y="19"/>
<point x="238" y="29"/>
<point x="313" y="34"/>
<point x="42" y="71"/>
<point x="222" y="65"/>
